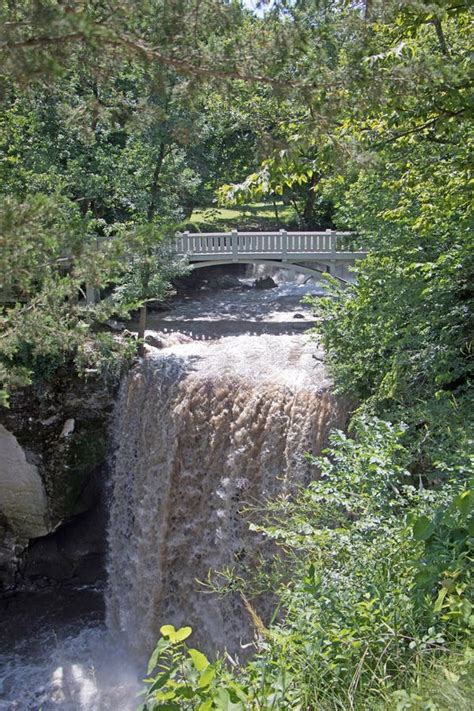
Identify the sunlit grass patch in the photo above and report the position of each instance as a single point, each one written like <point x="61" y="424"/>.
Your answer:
<point x="258" y="215"/>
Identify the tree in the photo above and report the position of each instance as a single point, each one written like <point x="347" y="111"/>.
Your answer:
<point x="103" y="169"/>
<point x="149" y="271"/>
<point x="102" y="142"/>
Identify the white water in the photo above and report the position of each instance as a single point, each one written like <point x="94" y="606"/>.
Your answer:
<point x="201" y="428"/>
<point x="55" y="653"/>
<point x="84" y="671"/>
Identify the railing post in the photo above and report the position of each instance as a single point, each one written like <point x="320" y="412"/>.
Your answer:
<point x="332" y="263"/>
<point x="234" y="238"/>
<point x="284" y="245"/>
<point x="187" y="242"/>
<point x="327" y="241"/>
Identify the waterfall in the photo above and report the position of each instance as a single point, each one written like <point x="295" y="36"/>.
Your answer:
<point x="201" y="429"/>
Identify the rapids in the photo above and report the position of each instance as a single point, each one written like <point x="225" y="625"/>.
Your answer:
<point x="201" y="428"/>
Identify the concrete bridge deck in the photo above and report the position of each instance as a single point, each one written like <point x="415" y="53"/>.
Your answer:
<point x="281" y="248"/>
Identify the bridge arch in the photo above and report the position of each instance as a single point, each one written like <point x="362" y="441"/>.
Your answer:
<point x="290" y="266"/>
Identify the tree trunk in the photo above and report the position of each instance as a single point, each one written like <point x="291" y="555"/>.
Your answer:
<point x="308" y="211"/>
<point x="155" y="185"/>
<point x="152" y="206"/>
<point x="275" y="210"/>
<point x="294" y="202"/>
<point x="141" y="330"/>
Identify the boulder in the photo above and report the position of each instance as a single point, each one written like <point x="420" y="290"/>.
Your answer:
<point x="265" y="283"/>
<point x="154" y="340"/>
<point x="226" y="281"/>
<point x="68" y="427"/>
<point x="159" y="339"/>
<point x="114" y="325"/>
<point x="23" y="501"/>
<point x="176" y="338"/>
<point x="156" y="305"/>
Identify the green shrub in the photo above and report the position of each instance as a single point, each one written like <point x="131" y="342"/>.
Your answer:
<point x="376" y="587"/>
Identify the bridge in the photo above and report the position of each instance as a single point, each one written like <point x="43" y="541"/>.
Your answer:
<point x="307" y="252"/>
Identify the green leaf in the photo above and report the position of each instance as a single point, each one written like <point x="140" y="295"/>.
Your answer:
<point x="200" y="660"/>
<point x="182" y="634"/>
<point x="423" y="528"/>
<point x="155" y="656"/>
<point x="175" y="635"/>
<point x="165" y="695"/>
<point x="222" y="702"/>
<point x="465" y="502"/>
<point x="160" y="681"/>
<point x="206" y="677"/>
<point x="167" y="630"/>
<point x="440" y="599"/>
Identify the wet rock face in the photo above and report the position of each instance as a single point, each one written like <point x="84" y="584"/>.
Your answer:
<point x="53" y="444"/>
<point x="75" y="553"/>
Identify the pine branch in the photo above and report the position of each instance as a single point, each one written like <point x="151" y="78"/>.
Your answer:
<point x="149" y="53"/>
<point x="184" y="67"/>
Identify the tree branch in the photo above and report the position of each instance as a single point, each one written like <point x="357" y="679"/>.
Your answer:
<point x="184" y="67"/>
<point x="149" y="53"/>
<point x="427" y="124"/>
<point x="42" y="41"/>
<point x="441" y="38"/>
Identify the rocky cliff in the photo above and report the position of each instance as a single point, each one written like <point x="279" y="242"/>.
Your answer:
<point x="53" y="443"/>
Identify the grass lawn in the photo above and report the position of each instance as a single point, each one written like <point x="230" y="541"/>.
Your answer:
<point x="257" y="216"/>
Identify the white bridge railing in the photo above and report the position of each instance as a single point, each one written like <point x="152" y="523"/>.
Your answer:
<point x="281" y="245"/>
